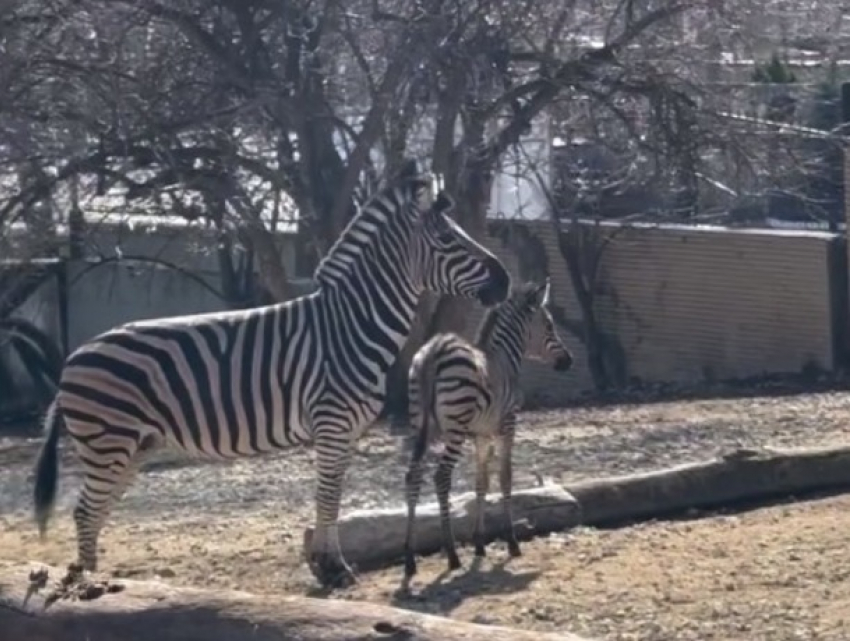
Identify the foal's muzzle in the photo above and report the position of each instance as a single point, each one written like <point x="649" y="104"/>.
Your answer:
<point x="563" y="363"/>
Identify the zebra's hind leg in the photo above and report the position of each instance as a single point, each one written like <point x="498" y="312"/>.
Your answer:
<point x="412" y="486"/>
<point x="333" y="456"/>
<point x="506" y="483"/>
<point x="443" y="486"/>
<point x="110" y="463"/>
<point x="482" y="482"/>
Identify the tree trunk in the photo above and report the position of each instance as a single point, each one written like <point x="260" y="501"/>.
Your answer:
<point x="272" y="271"/>
<point x="39" y="216"/>
<point x="574" y="251"/>
<point x="256" y="235"/>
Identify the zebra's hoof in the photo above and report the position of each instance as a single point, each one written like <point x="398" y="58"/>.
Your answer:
<point x="454" y="562"/>
<point x="409" y="567"/>
<point x="480" y="550"/>
<point x="344" y="579"/>
<point x="332" y="573"/>
<point x="84" y="565"/>
<point x="513" y="549"/>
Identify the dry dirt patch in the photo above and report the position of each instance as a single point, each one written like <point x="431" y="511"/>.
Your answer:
<point x="777" y="573"/>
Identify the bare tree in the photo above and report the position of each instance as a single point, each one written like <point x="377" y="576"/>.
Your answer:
<point x="247" y="116"/>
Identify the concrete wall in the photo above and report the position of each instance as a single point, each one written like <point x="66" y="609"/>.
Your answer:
<point x="684" y="304"/>
<point x="100" y="297"/>
<point x="116" y="293"/>
<point x="188" y="247"/>
<point x="692" y="304"/>
<point x="715" y="303"/>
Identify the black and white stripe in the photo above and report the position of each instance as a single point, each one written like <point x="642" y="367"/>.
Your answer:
<point x="311" y="370"/>
<point x="460" y="390"/>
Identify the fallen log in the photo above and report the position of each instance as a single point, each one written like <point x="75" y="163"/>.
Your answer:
<point x="375" y="538"/>
<point x="744" y="476"/>
<point x="145" y="610"/>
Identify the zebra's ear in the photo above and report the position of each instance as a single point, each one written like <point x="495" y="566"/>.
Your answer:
<point x="423" y="193"/>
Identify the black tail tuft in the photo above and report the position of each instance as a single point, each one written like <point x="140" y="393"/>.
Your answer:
<point x="46" y="470"/>
<point x="420" y="441"/>
<point x="429" y="429"/>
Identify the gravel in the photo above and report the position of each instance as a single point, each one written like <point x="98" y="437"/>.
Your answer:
<point x="563" y="445"/>
<point x="773" y="574"/>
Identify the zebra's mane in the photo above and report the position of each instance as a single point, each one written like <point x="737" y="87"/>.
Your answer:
<point x="519" y="296"/>
<point x="365" y="230"/>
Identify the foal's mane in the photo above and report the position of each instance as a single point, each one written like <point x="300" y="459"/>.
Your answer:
<point x="519" y="295"/>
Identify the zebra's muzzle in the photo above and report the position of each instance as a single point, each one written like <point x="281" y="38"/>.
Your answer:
<point x="498" y="287"/>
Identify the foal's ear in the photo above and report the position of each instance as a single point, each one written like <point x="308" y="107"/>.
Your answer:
<point x="421" y="185"/>
<point x="409" y="169"/>
<point x="543" y="292"/>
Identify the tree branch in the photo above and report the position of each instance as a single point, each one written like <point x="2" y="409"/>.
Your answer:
<point x="369" y="133"/>
<point x="541" y="92"/>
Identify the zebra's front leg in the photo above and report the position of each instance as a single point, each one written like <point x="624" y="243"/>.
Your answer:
<point x="326" y="561"/>
<point x="506" y="482"/>
<point x="482" y="485"/>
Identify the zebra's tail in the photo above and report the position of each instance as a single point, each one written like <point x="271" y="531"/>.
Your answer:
<point x="429" y="432"/>
<point x="46" y="469"/>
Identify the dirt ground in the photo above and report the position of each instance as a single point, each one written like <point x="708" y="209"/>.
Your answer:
<point x="777" y="573"/>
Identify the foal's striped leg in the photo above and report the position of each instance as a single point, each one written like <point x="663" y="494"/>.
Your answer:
<point x="506" y="480"/>
<point x="443" y="485"/>
<point x="483" y="448"/>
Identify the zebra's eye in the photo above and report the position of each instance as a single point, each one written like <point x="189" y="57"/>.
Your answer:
<point x="445" y="237"/>
<point x="442" y="233"/>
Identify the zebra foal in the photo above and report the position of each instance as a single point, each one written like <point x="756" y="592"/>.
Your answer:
<point x="459" y="390"/>
<point x="311" y="370"/>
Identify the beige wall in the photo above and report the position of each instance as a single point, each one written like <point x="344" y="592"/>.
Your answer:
<point x="685" y="304"/>
<point x="691" y="304"/>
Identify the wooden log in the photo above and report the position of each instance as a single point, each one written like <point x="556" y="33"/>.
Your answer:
<point x="735" y="479"/>
<point x="375" y="538"/>
<point x="145" y="610"/>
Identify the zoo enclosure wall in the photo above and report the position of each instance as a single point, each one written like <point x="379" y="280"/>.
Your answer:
<point x="682" y="304"/>
<point x="688" y="304"/>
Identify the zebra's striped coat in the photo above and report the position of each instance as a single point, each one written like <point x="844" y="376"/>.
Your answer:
<point x="311" y="370"/>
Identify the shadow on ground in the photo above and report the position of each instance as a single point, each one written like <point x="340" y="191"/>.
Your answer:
<point x="450" y="589"/>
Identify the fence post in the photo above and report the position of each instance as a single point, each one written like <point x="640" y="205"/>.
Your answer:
<point x="841" y="314"/>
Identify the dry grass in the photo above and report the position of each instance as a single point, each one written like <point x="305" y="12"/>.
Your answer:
<point x="777" y="573"/>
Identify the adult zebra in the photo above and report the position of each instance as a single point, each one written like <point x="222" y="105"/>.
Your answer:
<point x="460" y="390"/>
<point x="311" y="370"/>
